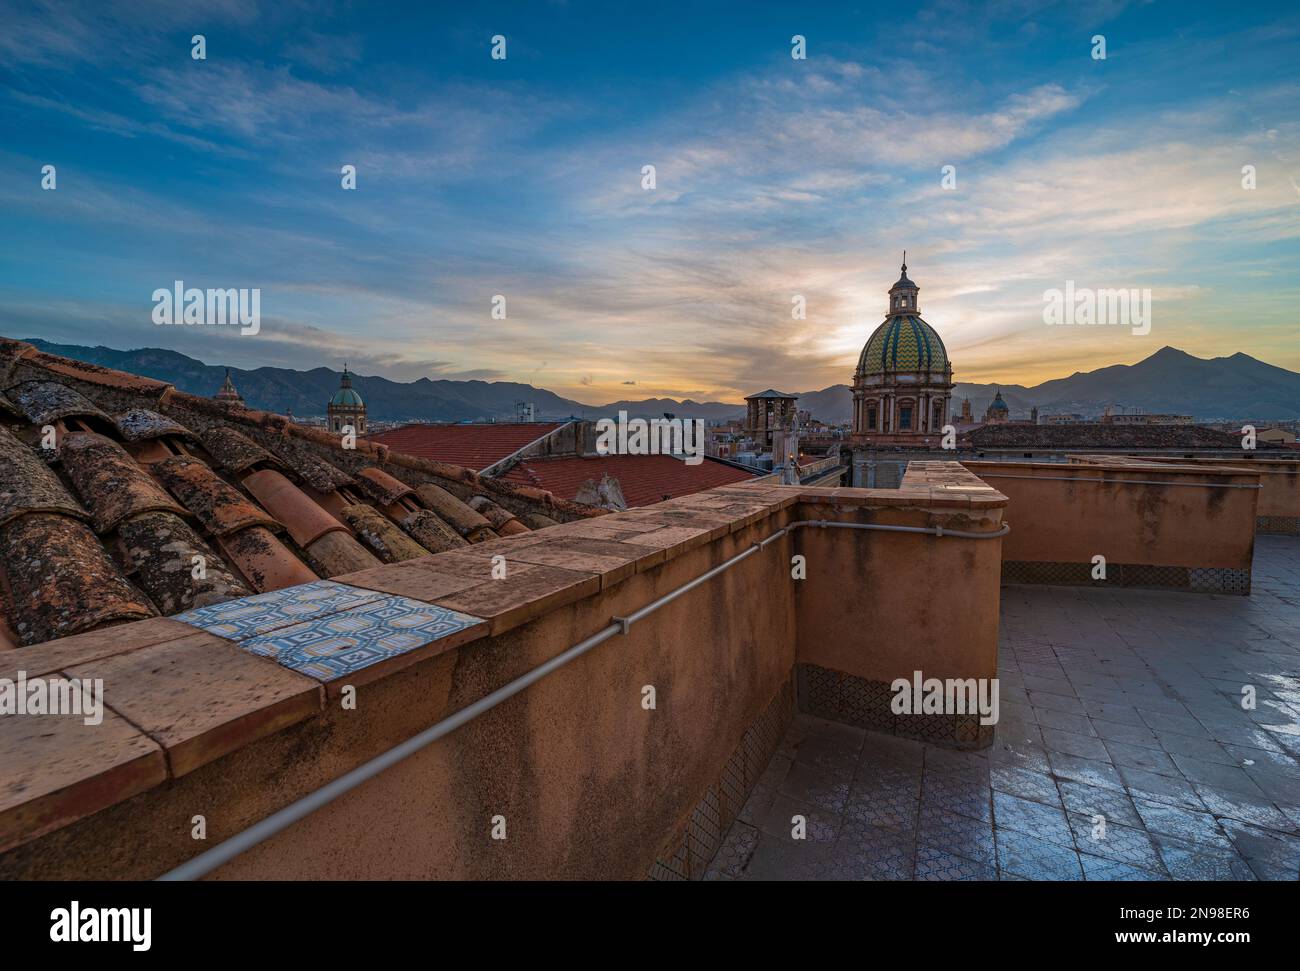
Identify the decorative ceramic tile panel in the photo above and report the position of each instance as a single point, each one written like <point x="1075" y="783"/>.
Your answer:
<point x="239" y="620"/>
<point x="337" y="644"/>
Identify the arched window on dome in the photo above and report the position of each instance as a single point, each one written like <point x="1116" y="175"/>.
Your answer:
<point x="871" y="416"/>
<point x="904" y="418"/>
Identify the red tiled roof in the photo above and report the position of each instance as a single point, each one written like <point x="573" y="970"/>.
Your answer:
<point x="645" y="479"/>
<point x="143" y="480"/>
<point x="472" y="446"/>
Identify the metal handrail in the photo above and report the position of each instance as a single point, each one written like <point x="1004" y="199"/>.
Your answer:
<point x="246" y="839"/>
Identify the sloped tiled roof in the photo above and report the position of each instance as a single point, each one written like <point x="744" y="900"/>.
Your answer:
<point x="472" y="446"/>
<point x="645" y="479"/>
<point x="122" y="498"/>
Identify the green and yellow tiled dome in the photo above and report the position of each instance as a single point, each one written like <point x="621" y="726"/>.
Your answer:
<point x="904" y="342"/>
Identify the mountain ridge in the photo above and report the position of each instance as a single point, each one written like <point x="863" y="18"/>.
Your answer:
<point x="1170" y="380"/>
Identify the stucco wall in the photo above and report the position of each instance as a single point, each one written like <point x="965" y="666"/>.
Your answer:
<point x="1070" y="513"/>
<point x="880" y="605"/>
<point x="1280" y="478"/>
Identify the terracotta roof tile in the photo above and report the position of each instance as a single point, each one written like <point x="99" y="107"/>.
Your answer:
<point x="472" y="446"/>
<point x="502" y="520"/>
<point x="339" y="552"/>
<point x="109" y="481"/>
<point x="304" y="519"/>
<point x="65" y="367"/>
<point x="221" y="507"/>
<point x="315" y="471"/>
<point x="644" y="479"/>
<point x="431" y="532"/>
<point x="163" y="553"/>
<point x="382" y="535"/>
<point x="235" y="452"/>
<point x="11" y="353"/>
<point x="470" y="524"/>
<point x="263" y="560"/>
<point x="116" y="546"/>
<point x="382" y="487"/>
<point x="141" y="424"/>
<point x="44" y="402"/>
<point x="27" y="484"/>
<point x="60" y="581"/>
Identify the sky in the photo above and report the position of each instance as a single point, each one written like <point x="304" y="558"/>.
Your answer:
<point x="775" y="178"/>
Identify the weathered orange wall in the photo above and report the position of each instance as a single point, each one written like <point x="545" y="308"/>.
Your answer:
<point x="881" y="605"/>
<point x="1280" y="478"/>
<point x="1185" y="523"/>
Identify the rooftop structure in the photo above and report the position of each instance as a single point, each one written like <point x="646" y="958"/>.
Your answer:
<point x="768" y="414"/>
<point x="227" y="391"/>
<point x="476" y="447"/>
<point x="643" y="479"/>
<point x="902" y="386"/>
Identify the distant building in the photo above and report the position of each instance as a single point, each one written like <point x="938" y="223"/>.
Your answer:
<point x="966" y="417"/>
<point x="997" y="412"/>
<point x="903" y="382"/>
<point x="768" y="413"/>
<point x="346" y="407"/>
<point x="1141" y="418"/>
<point x="227" y="391"/>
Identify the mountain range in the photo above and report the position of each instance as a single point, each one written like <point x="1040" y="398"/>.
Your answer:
<point x="1169" y="381"/>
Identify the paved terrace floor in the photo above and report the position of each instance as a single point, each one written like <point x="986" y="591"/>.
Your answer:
<point x="1119" y="703"/>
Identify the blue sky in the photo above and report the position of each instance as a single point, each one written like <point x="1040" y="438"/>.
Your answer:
<point x="775" y="177"/>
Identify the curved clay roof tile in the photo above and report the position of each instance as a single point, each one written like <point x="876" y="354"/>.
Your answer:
<point x="315" y="471"/>
<point x="27" y="485"/>
<point x="141" y="424"/>
<point x="60" y="580"/>
<point x="43" y="402"/>
<point x="382" y="535"/>
<point x="218" y="505"/>
<point x="110" y="482"/>
<point x="431" y="532"/>
<point x="382" y="487"/>
<point x="305" y="521"/>
<point x="235" y="452"/>
<point x="161" y="548"/>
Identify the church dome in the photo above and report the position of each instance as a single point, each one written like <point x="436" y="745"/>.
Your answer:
<point x="904" y="342"/>
<point x="998" y="404"/>
<point x="345" y="397"/>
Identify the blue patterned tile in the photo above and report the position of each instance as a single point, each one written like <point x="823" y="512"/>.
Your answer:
<point x="239" y="620"/>
<point x="331" y="646"/>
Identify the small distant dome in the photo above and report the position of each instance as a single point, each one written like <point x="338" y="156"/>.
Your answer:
<point x="998" y="404"/>
<point x="345" y="396"/>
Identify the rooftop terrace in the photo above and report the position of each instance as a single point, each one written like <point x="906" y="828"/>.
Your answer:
<point x="1119" y="703"/>
<point x="606" y="696"/>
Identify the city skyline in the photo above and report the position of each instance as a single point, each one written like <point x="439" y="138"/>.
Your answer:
<point x="775" y="178"/>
